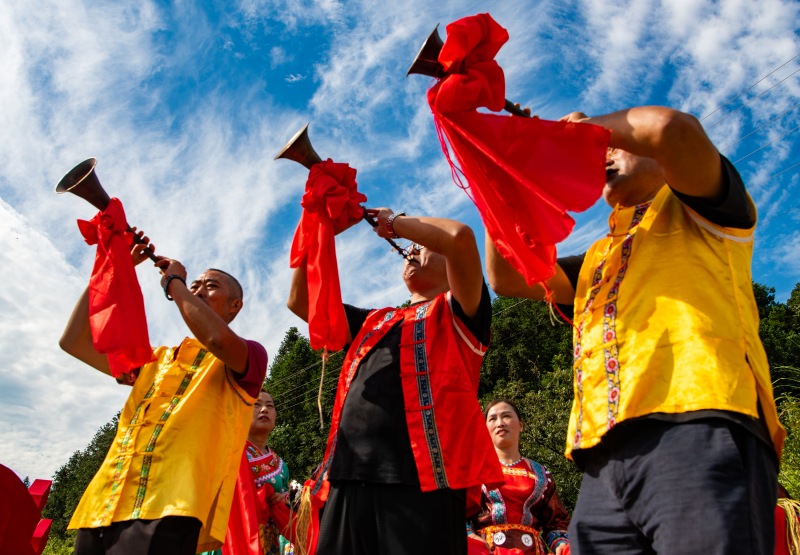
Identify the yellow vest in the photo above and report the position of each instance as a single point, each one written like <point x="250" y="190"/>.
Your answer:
<point x="666" y="322"/>
<point x="177" y="448"/>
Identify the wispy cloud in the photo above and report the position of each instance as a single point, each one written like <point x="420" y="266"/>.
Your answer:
<point x="185" y="106"/>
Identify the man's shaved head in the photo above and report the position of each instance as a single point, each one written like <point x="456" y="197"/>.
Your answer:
<point x="236" y="288"/>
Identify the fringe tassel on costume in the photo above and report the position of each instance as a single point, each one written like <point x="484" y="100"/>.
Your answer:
<point x="792" y="509"/>
<point x="303" y="522"/>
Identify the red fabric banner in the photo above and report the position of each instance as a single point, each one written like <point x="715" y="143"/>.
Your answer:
<point x="116" y="306"/>
<point x="247" y="510"/>
<point x="331" y="203"/>
<point x="523" y="174"/>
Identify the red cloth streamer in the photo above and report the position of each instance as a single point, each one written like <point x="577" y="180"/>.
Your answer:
<point x="331" y="203"/>
<point x="248" y="509"/>
<point x="116" y="306"/>
<point x="523" y="173"/>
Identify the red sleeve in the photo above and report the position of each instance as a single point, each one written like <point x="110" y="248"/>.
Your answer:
<point x="253" y="377"/>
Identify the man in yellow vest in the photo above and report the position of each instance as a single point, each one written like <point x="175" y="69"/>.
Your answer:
<point x="166" y="485"/>
<point x="673" y="421"/>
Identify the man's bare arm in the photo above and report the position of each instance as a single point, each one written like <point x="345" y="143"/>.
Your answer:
<point x="675" y="139"/>
<point x="505" y="280"/>
<point x="77" y="337"/>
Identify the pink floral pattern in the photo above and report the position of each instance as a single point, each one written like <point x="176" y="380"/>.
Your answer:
<point x="611" y="348"/>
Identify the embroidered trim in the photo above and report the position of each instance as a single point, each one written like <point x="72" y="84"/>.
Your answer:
<point x="151" y="445"/>
<point x="351" y="372"/>
<point x="125" y="443"/>
<point x="610" y="351"/>
<point x="498" y="506"/>
<point x="596" y="279"/>
<point x="268" y="459"/>
<point x="425" y="396"/>
<point x="541" y="478"/>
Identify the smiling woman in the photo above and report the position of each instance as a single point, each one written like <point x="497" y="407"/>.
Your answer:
<point x="525" y="513"/>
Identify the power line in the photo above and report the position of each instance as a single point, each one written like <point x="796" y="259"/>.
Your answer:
<point x="766" y="145"/>
<point x="770" y="178"/>
<point x="729" y="114"/>
<point x="726" y="147"/>
<point x="750" y="87"/>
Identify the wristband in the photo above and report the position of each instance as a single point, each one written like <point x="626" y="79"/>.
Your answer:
<point x="390" y="225"/>
<point x="166" y="284"/>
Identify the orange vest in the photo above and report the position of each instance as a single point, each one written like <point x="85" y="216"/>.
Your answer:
<point x="440" y="363"/>
<point x="666" y="322"/>
<point x="177" y="448"/>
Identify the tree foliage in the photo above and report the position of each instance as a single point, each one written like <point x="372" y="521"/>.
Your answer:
<point x="70" y="481"/>
<point x="294" y="381"/>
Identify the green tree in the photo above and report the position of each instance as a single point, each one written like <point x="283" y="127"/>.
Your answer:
<point x="530" y="363"/>
<point x="71" y="480"/>
<point x="293" y="382"/>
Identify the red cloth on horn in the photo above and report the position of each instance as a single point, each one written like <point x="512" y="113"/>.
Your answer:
<point x="330" y="204"/>
<point x="116" y="306"/>
<point x="523" y="173"/>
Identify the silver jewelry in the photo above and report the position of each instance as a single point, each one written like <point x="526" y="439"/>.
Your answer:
<point x="509" y="465"/>
<point x="390" y="224"/>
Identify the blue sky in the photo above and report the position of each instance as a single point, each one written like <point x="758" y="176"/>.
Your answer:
<point x="185" y="104"/>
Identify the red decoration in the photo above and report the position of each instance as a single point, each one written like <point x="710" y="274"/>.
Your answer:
<point x="477" y="547"/>
<point x="331" y="203"/>
<point x="22" y="530"/>
<point x="523" y="174"/>
<point x="116" y="307"/>
<point x="247" y="510"/>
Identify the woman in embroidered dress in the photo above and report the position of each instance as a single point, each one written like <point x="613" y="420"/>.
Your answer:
<point x="270" y="476"/>
<point x="268" y="470"/>
<point x="526" y="513"/>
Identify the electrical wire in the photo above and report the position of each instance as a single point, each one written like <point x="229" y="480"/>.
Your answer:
<point x="726" y="147"/>
<point x="729" y="114"/>
<point x="766" y="145"/>
<point x="750" y="87"/>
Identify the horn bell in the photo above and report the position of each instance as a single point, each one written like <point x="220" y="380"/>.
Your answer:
<point x="299" y="149"/>
<point x="427" y="60"/>
<point x="82" y="181"/>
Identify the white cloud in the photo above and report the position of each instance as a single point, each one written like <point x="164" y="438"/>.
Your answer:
<point x="279" y="56"/>
<point x="189" y="150"/>
<point x="49" y="399"/>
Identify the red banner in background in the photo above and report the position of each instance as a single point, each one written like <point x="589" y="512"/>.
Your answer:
<point x="116" y="306"/>
<point x="523" y="174"/>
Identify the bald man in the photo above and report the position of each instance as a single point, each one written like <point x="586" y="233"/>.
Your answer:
<point x="167" y="482"/>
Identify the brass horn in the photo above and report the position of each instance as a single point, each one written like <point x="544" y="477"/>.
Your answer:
<point x="427" y="63"/>
<point x="299" y="150"/>
<point x="82" y="181"/>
